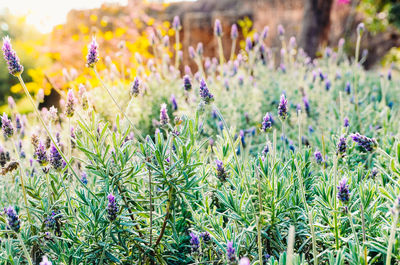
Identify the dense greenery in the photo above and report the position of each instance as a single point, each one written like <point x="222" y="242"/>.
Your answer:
<point x="209" y="179"/>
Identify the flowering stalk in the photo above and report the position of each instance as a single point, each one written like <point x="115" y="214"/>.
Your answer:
<point x="116" y="103"/>
<point x="234" y="36"/>
<point x="259" y="219"/>
<point x="290" y="248"/>
<point x="26" y="253"/>
<point x="28" y="95"/>
<point x="335" y="203"/>
<point x="22" y="173"/>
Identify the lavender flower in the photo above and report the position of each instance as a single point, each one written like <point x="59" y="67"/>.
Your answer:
<point x="112" y="208"/>
<point x="84" y="178"/>
<point x="221" y="173"/>
<point x="360" y="28"/>
<point x="366" y="144"/>
<point x="346" y="122"/>
<point x="194" y="242"/>
<point x="55" y="158"/>
<point x="282" y="108"/>
<point x="205" y="94"/>
<point x="230" y="252"/>
<point x="192" y="52"/>
<point x="93" y="55"/>
<point x="70" y="107"/>
<point x="41" y="154"/>
<point x="176" y="23"/>
<point x="318" y="157"/>
<point x="306" y="105"/>
<point x="343" y="191"/>
<point x="348" y="88"/>
<point x="174" y="103"/>
<point x="187" y="85"/>
<point x="12" y="218"/>
<point x="341" y="146"/>
<point x="328" y="85"/>
<point x="264" y="33"/>
<point x="3" y="157"/>
<point x="200" y="49"/>
<point x="205" y="236"/>
<point x="164" y="118"/>
<point x="45" y="261"/>
<point x="217" y="28"/>
<point x="135" y="87"/>
<point x="234" y="32"/>
<point x="267" y="122"/>
<point x="14" y="66"/>
<point x="249" y="44"/>
<point x="281" y="30"/>
<point x="11" y="102"/>
<point x="18" y="122"/>
<point x="6" y="126"/>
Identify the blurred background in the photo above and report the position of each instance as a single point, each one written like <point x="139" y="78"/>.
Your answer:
<point x="51" y="37"/>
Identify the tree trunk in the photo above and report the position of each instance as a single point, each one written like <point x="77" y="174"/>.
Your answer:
<point x="316" y="22"/>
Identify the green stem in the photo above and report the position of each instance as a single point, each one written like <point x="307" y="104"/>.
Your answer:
<point x="170" y="201"/>
<point x="392" y="236"/>
<point x="353" y="229"/>
<point x="27" y="256"/>
<point x="335" y="202"/>
<point x="233" y="48"/>
<point x="177" y="48"/>
<point x="22" y="173"/>
<point x="116" y="103"/>
<point x="259" y="219"/>
<point x="51" y="137"/>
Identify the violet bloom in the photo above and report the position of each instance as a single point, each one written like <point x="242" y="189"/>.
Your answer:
<point x="45" y="261"/>
<point x="93" y="54"/>
<point x="70" y="106"/>
<point x="360" y="28"/>
<point x="249" y="44"/>
<point x="18" y="122"/>
<point x="264" y="33"/>
<point x="365" y="144"/>
<point x="318" y="157"/>
<point x="328" y="85"/>
<point x="346" y="122"/>
<point x="14" y="66"/>
<point x="55" y="158"/>
<point x="341" y="146"/>
<point x="306" y="105"/>
<point x="281" y="30"/>
<point x="112" y="208"/>
<point x="205" y="94"/>
<point x="11" y="102"/>
<point x="176" y="23"/>
<point x="187" y="85"/>
<point x="343" y="191"/>
<point x="347" y="88"/>
<point x="41" y="154"/>
<point x="174" y="103"/>
<point x="282" y="108"/>
<point x="230" y="251"/>
<point x="192" y="53"/>
<point x="12" y="218"/>
<point x="135" y="87"/>
<point x="267" y="122"/>
<point x="164" y="118"/>
<point x="200" y="49"/>
<point x="84" y="178"/>
<point x="221" y="173"/>
<point x="205" y="236"/>
<point x="218" y="28"/>
<point x="6" y="126"/>
<point x="194" y="242"/>
<point x="234" y="32"/>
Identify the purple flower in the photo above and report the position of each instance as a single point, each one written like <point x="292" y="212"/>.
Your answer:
<point x="281" y="30"/>
<point x="194" y="242"/>
<point x="192" y="53"/>
<point x="112" y="208"/>
<point x="18" y="122"/>
<point x="221" y="173"/>
<point x="348" y="88"/>
<point x="318" y="157"/>
<point x="267" y="122"/>
<point x="249" y="44"/>
<point x="328" y="85"/>
<point x="343" y="191"/>
<point x="230" y="251"/>
<point x="45" y="261"/>
<point x="360" y="28"/>
<point x="173" y="102"/>
<point x="11" y="102"/>
<point x="41" y="154"/>
<point x="200" y="49"/>
<point x="282" y="108"/>
<point x="264" y="33"/>
<point x="341" y="146"/>
<point x="187" y="85"/>
<point x="6" y="126"/>
<point x="55" y="158"/>
<point x="176" y="23"/>
<point x="389" y="75"/>
<point x="346" y="122"/>
<point x="205" y="94"/>
<point x="14" y="66"/>
<point x="12" y="218"/>
<point x="84" y="178"/>
<point x="164" y="118"/>
<point x="217" y="28"/>
<point x="366" y="144"/>
<point x="93" y="55"/>
<point x="234" y="32"/>
<point x="135" y="87"/>
<point x="306" y="105"/>
<point x="205" y="236"/>
<point x="70" y="107"/>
